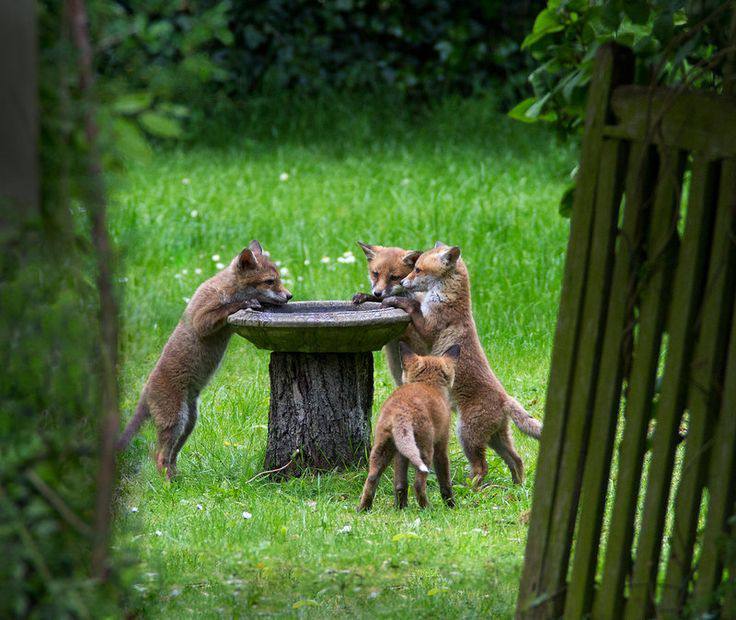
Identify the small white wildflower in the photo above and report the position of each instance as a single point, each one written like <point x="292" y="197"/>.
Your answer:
<point x="284" y="271"/>
<point x="277" y="263"/>
<point x="200" y="507"/>
<point x="175" y="592"/>
<point x="186" y="181"/>
<point x="197" y="271"/>
<point x="220" y="265"/>
<point x="186" y="300"/>
<point x="311" y="503"/>
<point x="284" y="176"/>
<point x="134" y="509"/>
<point x="247" y="515"/>
<point x="373" y="594"/>
<point x="177" y="276"/>
<point x="124" y="279"/>
<point x="345" y="529"/>
<point x="194" y="213"/>
<point x="324" y="259"/>
<point x="405" y="182"/>
<point x="299" y="279"/>
<point x="215" y="258"/>
<point x="185" y="271"/>
<point x="348" y="253"/>
<point x="266" y="253"/>
<point x="159" y="533"/>
<point x="306" y="261"/>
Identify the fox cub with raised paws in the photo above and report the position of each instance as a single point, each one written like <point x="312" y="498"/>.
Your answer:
<point x="445" y="317"/>
<point x="414" y="427"/>
<point x="195" y="348"/>
<point x="387" y="267"/>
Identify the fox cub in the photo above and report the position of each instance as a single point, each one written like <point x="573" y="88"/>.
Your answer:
<point x="387" y="267"/>
<point x="445" y="317"/>
<point x="195" y="349"/>
<point x="414" y="428"/>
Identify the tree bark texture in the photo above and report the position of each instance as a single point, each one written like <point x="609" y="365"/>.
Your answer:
<point x="321" y="406"/>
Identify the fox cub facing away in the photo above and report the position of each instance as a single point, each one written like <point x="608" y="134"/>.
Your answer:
<point x="445" y="317"/>
<point x="195" y="349"/>
<point x="414" y="427"/>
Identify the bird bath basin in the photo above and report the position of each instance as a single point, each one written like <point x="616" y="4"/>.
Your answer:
<point x="321" y="373"/>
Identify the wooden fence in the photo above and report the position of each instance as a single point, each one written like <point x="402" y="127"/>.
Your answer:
<point x="633" y="512"/>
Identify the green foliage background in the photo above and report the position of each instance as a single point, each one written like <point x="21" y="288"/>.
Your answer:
<point x="164" y="62"/>
<point x="675" y="42"/>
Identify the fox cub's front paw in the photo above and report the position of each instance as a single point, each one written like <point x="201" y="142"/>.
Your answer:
<point x="361" y="298"/>
<point x="396" y="302"/>
<point x="251" y="304"/>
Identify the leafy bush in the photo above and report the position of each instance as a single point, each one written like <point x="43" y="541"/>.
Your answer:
<point x="674" y="41"/>
<point x="163" y="61"/>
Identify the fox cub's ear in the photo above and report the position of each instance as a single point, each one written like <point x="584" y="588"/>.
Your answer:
<point x="406" y="352"/>
<point x="411" y="257"/>
<point x="439" y="244"/>
<point x="449" y="255"/>
<point x="247" y="260"/>
<point x="368" y="250"/>
<point x="453" y="352"/>
<point x="255" y="247"/>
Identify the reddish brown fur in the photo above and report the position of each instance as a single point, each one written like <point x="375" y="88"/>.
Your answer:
<point x="195" y="349"/>
<point x="387" y="267"/>
<point x="414" y="428"/>
<point x="445" y="317"/>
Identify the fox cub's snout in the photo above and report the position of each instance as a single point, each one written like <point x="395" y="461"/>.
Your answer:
<point x="387" y="268"/>
<point x="431" y="267"/>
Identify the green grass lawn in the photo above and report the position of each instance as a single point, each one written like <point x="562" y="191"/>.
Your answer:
<point x="357" y="169"/>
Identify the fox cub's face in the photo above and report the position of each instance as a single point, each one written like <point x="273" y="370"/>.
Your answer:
<point x="387" y="267"/>
<point x="437" y="370"/>
<point x="432" y="267"/>
<point x="257" y="277"/>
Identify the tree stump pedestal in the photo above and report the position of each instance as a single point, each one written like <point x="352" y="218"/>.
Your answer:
<point x="321" y="373"/>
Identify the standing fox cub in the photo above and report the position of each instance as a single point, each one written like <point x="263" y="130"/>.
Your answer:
<point x="387" y="267"/>
<point x="414" y="427"/>
<point x="445" y="317"/>
<point x="195" y="349"/>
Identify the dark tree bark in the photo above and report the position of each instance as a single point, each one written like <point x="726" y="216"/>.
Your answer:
<point x="321" y="406"/>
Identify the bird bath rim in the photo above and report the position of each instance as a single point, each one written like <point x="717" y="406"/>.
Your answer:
<point x="321" y="326"/>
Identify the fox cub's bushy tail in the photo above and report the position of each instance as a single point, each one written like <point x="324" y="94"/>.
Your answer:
<point x="141" y="413"/>
<point x="403" y="434"/>
<point x="523" y="419"/>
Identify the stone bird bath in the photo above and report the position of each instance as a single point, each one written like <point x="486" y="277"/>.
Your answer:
<point x="321" y="372"/>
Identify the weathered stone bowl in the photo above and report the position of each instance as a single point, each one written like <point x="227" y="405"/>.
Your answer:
<point x="321" y="326"/>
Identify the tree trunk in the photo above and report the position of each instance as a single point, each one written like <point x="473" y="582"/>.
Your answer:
<point x="321" y="406"/>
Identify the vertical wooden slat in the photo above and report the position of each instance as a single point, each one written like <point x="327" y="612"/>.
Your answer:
<point x="706" y="374"/>
<point x="652" y="312"/>
<point x="606" y="409"/>
<point x="597" y="291"/>
<point x="614" y="66"/>
<point x="721" y="480"/>
<point x="690" y="279"/>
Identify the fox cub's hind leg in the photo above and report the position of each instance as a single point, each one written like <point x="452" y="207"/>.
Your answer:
<point x="171" y="421"/>
<point x="503" y="443"/>
<point x="401" y="484"/>
<point x="380" y="458"/>
<point x="420" y="479"/>
<point x="191" y="421"/>
<point x="442" y="468"/>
